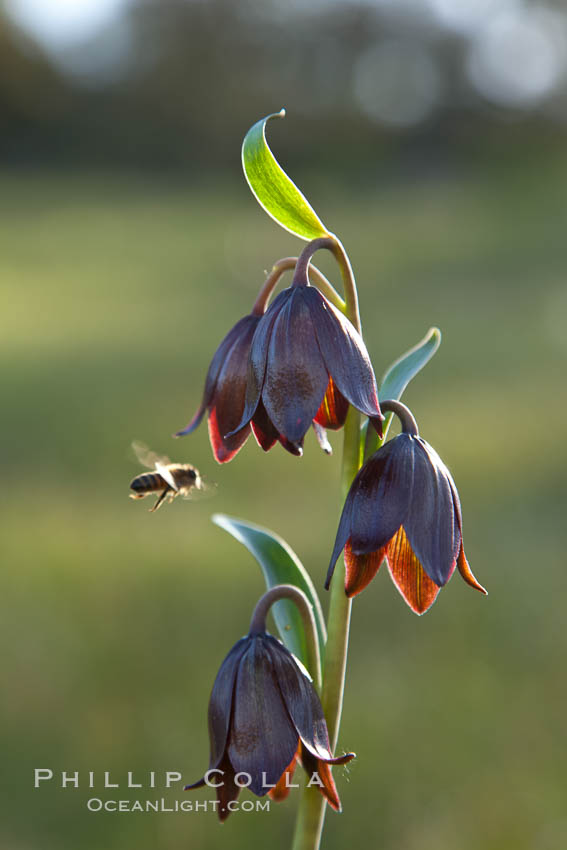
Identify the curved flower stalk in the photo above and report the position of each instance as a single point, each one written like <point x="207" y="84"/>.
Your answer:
<point x="403" y="507"/>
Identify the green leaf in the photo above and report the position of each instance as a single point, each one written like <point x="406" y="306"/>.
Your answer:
<point x="273" y="189"/>
<point x="397" y="378"/>
<point x="280" y="565"/>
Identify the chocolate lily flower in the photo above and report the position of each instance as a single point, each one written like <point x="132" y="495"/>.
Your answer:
<point x="403" y="506"/>
<point x="264" y="715"/>
<point x="307" y="364"/>
<point x="224" y="395"/>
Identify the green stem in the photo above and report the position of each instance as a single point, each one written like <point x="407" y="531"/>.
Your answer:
<point x="311" y="813"/>
<point x="349" y="284"/>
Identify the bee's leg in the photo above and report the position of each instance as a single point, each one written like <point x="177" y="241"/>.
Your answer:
<point x="162" y="496"/>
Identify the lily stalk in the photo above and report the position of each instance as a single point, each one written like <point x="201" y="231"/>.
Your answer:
<point x="312" y="808"/>
<point x="303" y="605"/>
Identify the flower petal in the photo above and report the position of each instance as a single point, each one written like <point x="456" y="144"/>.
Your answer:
<point x="234" y="348"/>
<point x="283" y="785"/>
<point x="220" y="706"/>
<point x="361" y="569"/>
<point x="375" y="507"/>
<point x="462" y="563"/>
<point x="344" y="354"/>
<point x="258" y="358"/>
<point x="467" y="573"/>
<point x="431" y="525"/>
<point x="220" y="703"/>
<point x="343" y="534"/>
<point x="295" y="449"/>
<point x="408" y="575"/>
<point x="326" y="784"/>
<point x="262" y="738"/>
<point x="264" y="431"/>
<point x="295" y="379"/>
<point x="300" y="699"/>
<point x="228" y="791"/>
<point x="322" y="438"/>
<point x="267" y="435"/>
<point x="334" y="408"/>
<point x="225" y="448"/>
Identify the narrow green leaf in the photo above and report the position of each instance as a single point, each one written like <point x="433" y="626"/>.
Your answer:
<point x="273" y="189"/>
<point x="398" y="376"/>
<point x="280" y="565"/>
<point x="409" y="364"/>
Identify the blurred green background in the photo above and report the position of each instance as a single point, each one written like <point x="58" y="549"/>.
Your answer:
<point x="118" y="282"/>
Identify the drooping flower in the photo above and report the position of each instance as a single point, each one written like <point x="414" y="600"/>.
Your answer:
<point x="403" y="507"/>
<point x="224" y="396"/>
<point x="264" y="716"/>
<point x="307" y="364"/>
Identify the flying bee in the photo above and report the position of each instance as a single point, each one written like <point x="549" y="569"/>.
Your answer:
<point x="167" y="478"/>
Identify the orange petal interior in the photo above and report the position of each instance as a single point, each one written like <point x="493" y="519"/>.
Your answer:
<point x="409" y="576"/>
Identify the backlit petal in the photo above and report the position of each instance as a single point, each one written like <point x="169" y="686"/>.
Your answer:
<point x="334" y="408"/>
<point x="283" y="785"/>
<point x="264" y="431"/>
<point x="462" y="563"/>
<point x="467" y="573"/>
<point x="233" y="349"/>
<point x="361" y="569"/>
<point x="225" y="448"/>
<point x="409" y="576"/>
<point x="317" y="768"/>
<point x="343" y="533"/>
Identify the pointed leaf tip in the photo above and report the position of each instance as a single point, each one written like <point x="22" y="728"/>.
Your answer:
<point x="273" y="188"/>
<point x="398" y="376"/>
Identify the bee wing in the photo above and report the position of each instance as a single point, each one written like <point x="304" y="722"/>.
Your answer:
<point x="147" y="457"/>
<point x="202" y="489"/>
<point x="166" y="475"/>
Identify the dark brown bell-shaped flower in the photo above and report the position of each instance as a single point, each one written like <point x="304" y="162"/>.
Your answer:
<point x="403" y="506"/>
<point x="224" y="397"/>
<point x="264" y="716"/>
<point x="307" y="364"/>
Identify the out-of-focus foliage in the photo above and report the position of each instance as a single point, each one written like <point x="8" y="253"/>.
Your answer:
<point x="178" y="82"/>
